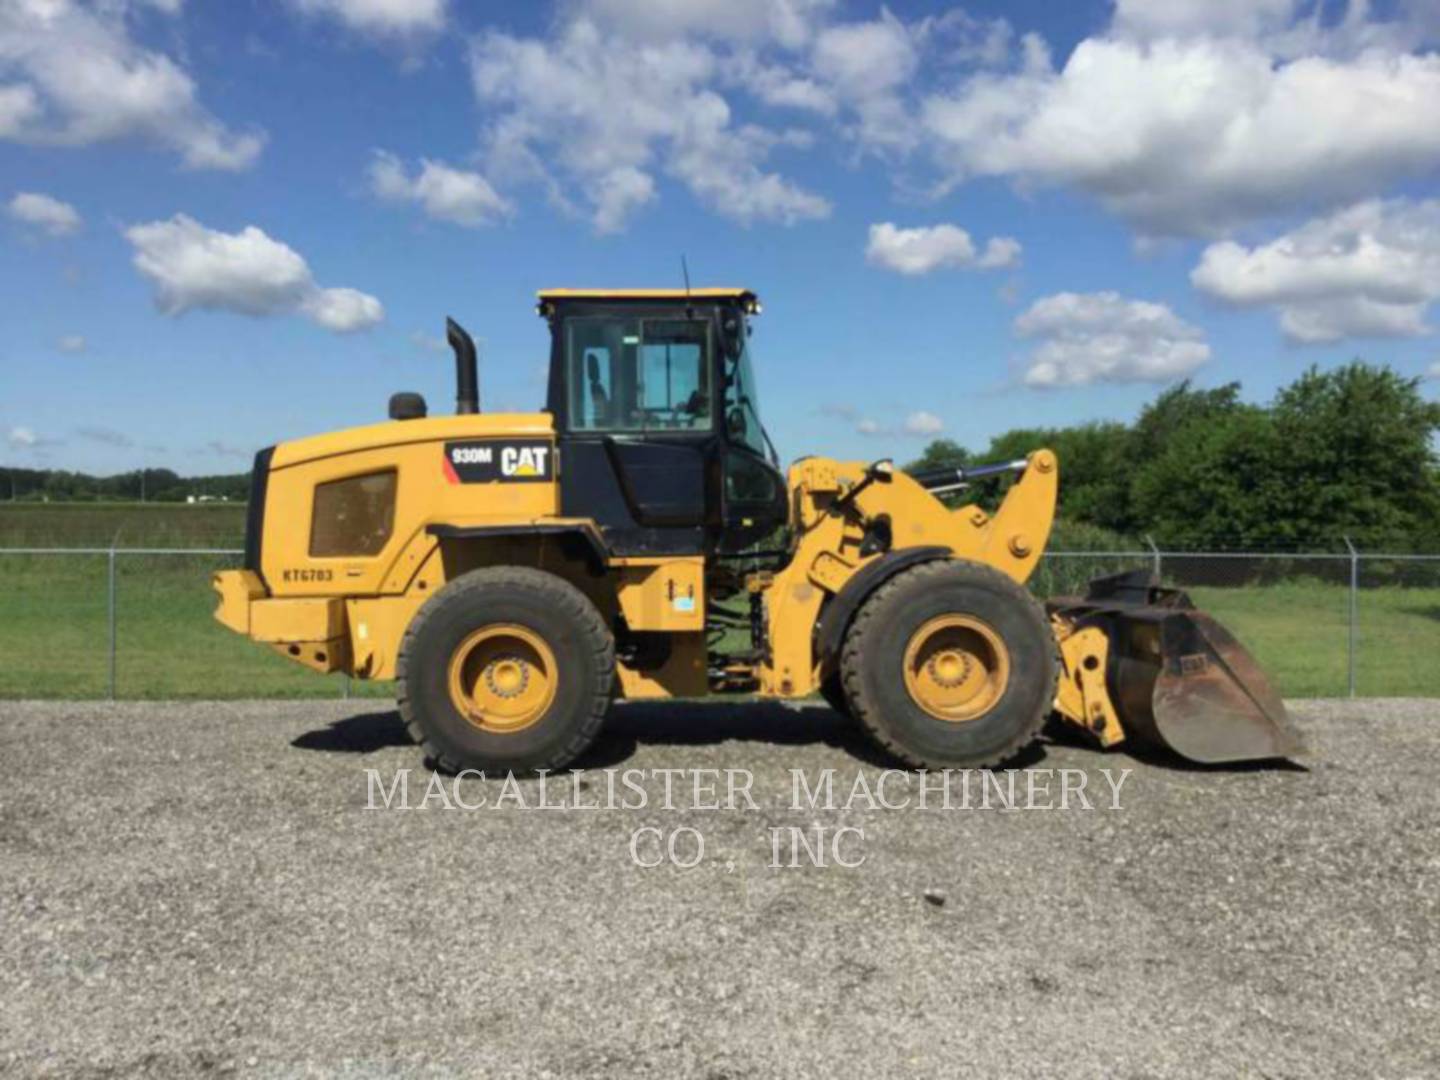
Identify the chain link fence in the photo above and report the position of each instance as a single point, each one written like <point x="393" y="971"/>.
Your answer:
<point x="136" y="622"/>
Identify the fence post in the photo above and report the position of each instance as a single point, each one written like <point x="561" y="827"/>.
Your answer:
<point x="1155" y="552"/>
<point x="1354" y="609"/>
<point x="112" y="619"/>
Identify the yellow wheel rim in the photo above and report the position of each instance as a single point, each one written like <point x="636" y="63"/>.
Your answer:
<point x="956" y="668"/>
<point x="503" y="678"/>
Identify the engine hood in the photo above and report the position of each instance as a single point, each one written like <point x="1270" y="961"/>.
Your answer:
<point x="402" y="432"/>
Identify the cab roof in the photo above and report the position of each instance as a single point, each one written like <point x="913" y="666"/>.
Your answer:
<point x="743" y="296"/>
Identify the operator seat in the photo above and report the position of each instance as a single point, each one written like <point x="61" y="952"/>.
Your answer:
<point x="599" y="399"/>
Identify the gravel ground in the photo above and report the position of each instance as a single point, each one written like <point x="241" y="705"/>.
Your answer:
<point x="199" y="888"/>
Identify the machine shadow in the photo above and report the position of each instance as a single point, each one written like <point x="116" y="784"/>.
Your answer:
<point x="632" y="724"/>
<point x="365" y="733"/>
<point x="706" y="723"/>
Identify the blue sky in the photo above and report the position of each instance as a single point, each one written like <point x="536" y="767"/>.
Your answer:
<point x="220" y="230"/>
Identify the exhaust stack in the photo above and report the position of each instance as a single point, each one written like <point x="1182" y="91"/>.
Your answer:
<point x="467" y="379"/>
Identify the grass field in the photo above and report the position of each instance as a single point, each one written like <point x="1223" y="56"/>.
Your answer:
<point x="54" y="609"/>
<point x="54" y="618"/>
<point x="207" y="525"/>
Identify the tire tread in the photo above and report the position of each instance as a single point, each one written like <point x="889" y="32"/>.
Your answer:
<point x="564" y="597"/>
<point x="857" y="645"/>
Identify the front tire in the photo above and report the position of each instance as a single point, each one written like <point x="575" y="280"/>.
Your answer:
<point x="506" y="669"/>
<point x="951" y="664"/>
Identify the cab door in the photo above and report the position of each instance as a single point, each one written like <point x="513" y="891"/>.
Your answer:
<point x="639" y="429"/>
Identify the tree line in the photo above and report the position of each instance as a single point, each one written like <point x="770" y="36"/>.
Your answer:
<point x="149" y="485"/>
<point x="1346" y="452"/>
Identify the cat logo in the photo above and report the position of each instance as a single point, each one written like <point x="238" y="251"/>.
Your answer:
<point x="489" y="461"/>
<point x="523" y="460"/>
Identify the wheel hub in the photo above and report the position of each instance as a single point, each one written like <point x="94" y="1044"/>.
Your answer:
<point x="956" y="667"/>
<point x="502" y="678"/>
<point x="507" y="676"/>
<point x="950" y="668"/>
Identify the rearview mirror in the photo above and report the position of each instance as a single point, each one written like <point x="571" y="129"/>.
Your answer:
<point x="735" y="423"/>
<point x="730" y="337"/>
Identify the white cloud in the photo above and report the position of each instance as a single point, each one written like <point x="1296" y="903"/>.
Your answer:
<point x="395" y="18"/>
<point x="1105" y="337"/>
<point x="247" y="272"/>
<point x="594" y="115"/>
<point x="865" y="65"/>
<point x="443" y="192"/>
<point x="922" y="250"/>
<point x="44" y="212"/>
<point x="617" y="194"/>
<point x="923" y="423"/>
<point x="1434" y="372"/>
<point x="22" y="438"/>
<point x="1371" y="269"/>
<point x="866" y="57"/>
<point x="342" y="310"/>
<point x="780" y="85"/>
<point x="71" y="343"/>
<point x="19" y="107"/>
<point x="788" y="22"/>
<point x="1184" y="18"/>
<point x="1194" y="135"/>
<point x="919" y="423"/>
<point x="71" y="75"/>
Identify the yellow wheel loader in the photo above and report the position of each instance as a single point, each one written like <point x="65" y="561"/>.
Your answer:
<point x="516" y="573"/>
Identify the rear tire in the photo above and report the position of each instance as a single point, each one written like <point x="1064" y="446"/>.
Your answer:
<point x="505" y="669"/>
<point x="951" y="664"/>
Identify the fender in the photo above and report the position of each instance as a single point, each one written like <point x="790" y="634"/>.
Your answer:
<point x="835" y="617"/>
<point x="589" y="546"/>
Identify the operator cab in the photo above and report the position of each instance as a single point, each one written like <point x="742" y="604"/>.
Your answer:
<point x="656" y="410"/>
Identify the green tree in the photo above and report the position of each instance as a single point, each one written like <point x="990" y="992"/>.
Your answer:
<point x="1346" y="452"/>
<point x="1360" y="455"/>
<point x="940" y="454"/>
<point x="1218" y="487"/>
<point x="1094" y="472"/>
<point x="1176" y="410"/>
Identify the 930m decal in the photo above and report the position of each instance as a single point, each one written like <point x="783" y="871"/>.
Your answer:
<point x="486" y="461"/>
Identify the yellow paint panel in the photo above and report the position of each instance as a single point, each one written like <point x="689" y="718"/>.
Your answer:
<point x="321" y="656"/>
<point x="667" y="596"/>
<point x="831" y="501"/>
<point x="644" y="294"/>
<point x="237" y="589"/>
<point x="394" y="433"/>
<point x="318" y="619"/>
<point x="424" y="495"/>
<point x="684" y="673"/>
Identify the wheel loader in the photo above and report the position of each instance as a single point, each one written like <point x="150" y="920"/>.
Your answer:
<point x="515" y="573"/>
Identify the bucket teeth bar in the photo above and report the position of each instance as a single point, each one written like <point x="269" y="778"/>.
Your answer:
<point x="1173" y="677"/>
